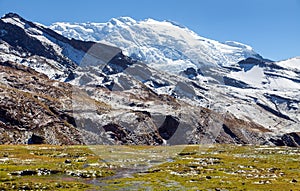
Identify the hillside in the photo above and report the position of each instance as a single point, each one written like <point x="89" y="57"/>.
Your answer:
<point x="53" y="86"/>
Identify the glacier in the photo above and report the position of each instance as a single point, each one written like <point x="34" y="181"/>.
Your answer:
<point x="164" y="45"/>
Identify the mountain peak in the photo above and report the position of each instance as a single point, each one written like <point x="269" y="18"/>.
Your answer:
<point x="122" y="20"/>
<point x="126" y="19"/>
<point x="14" y="19"/>
<point x="176" y="24"/>
<point x="158" y="22"/>
<point x="163" y="44"/>
<point x="238" y="45"/>
<point x="11" y="15"/>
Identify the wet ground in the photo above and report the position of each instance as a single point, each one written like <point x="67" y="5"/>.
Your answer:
<point x="193" y="167"/>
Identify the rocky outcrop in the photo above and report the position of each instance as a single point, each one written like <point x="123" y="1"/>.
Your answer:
<point x="235" y="83"/>
<point x="288" y="139"/>
<point x="169" y="127"/>
<point x="122" y="135"/>
<point x="35" y="139"/>
<point x="31" y="108"/>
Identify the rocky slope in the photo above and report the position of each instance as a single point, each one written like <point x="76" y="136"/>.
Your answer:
<point x="111" y="98"/>
<point x="34" y="109"/>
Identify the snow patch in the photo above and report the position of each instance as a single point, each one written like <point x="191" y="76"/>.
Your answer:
<point x="293" y="63"/>
<point x="14" y="21"/>
<point x="254" y="77"/>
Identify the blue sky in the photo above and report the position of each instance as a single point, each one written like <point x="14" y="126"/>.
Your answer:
<point x="271" y="27"/>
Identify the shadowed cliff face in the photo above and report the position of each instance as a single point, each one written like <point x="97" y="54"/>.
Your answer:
<point x="169" y="127"/>
<point x="289" y="139"/>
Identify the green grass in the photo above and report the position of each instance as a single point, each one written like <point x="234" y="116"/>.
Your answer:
<point x="193" y="167"/>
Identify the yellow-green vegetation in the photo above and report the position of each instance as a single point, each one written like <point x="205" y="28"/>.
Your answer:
<point x="193" y="167"/>
<point x="45" y="167"/>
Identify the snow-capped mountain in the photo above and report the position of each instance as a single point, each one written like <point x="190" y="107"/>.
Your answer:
<point x="38" y="47"/>
<point x="165" y="45"/>
<point x="227" y="93"/>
